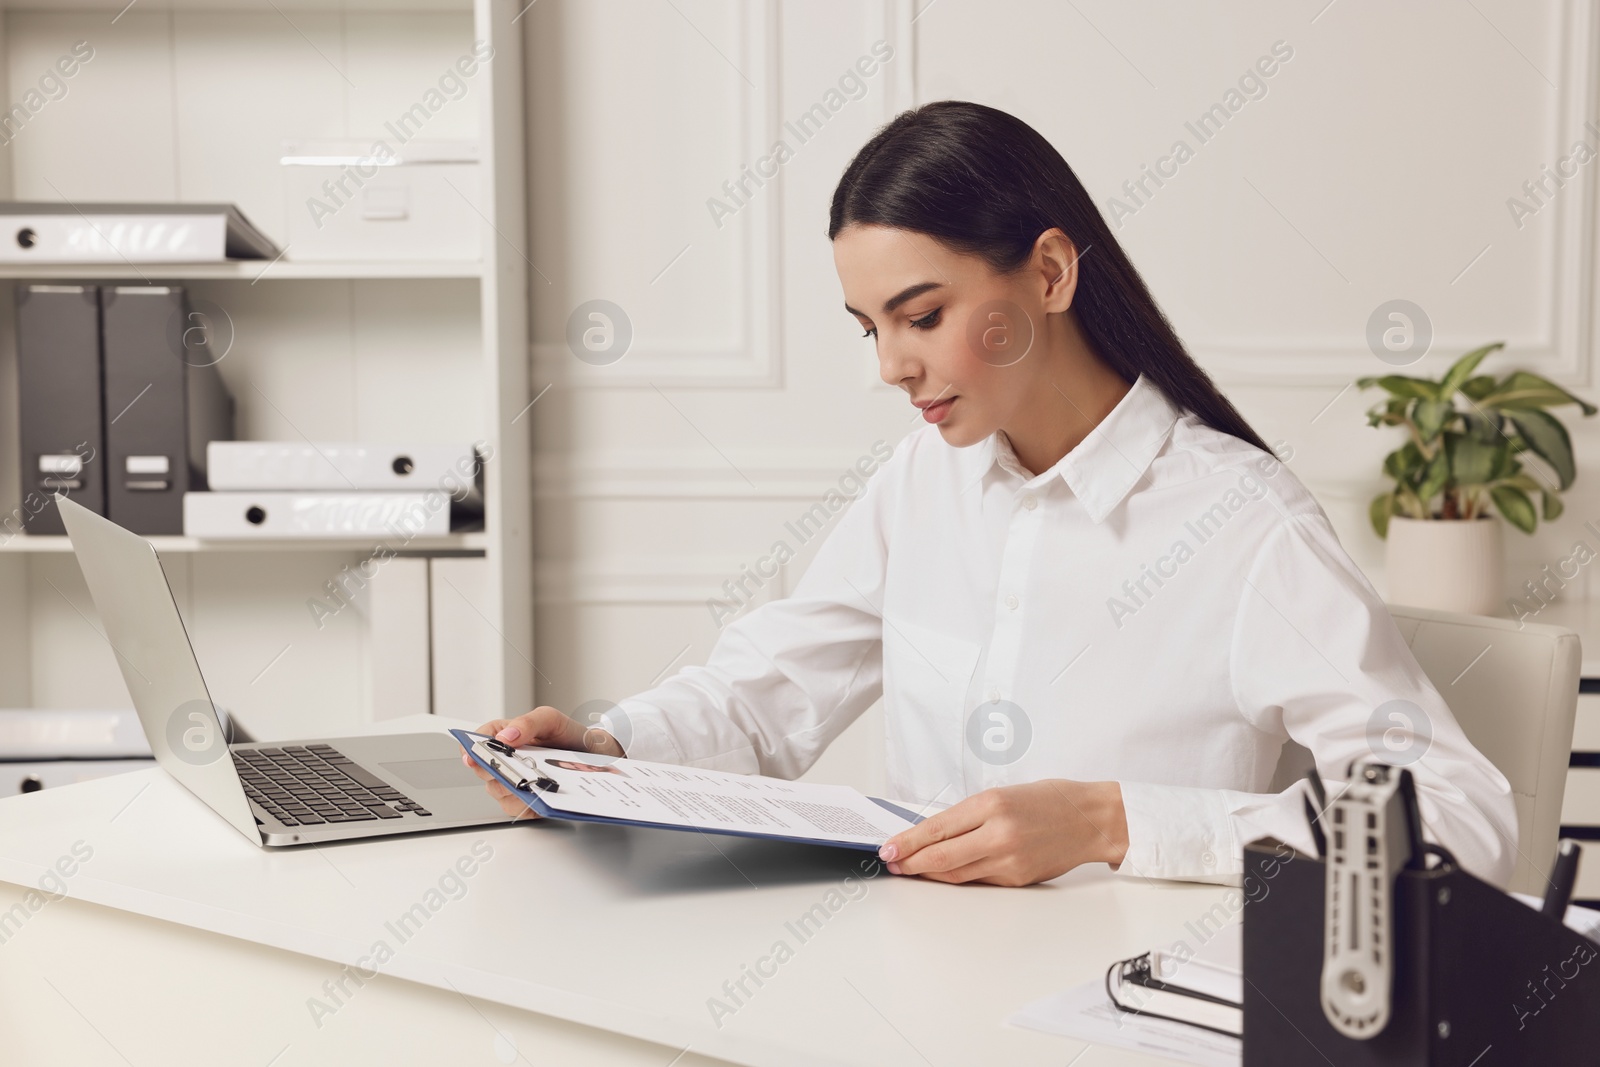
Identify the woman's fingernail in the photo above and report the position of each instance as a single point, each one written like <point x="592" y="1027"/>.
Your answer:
<point x="888" y="852"/>
<point x="894" y="868"/>
<point x="510" y="733"/>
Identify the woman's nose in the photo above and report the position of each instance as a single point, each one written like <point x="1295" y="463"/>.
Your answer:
<point x="894" y="367"/>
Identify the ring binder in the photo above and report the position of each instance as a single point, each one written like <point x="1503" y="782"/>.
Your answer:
<point x="1470" y="968"/>
<point x="1166" y="1000"/>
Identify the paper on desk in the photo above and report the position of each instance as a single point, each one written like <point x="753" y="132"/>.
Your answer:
<point x="1087" y="1014"/>
<point x="1584" y="920"/>
<point x="672" y="795"/>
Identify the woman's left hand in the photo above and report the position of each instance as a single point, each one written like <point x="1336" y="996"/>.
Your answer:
<point x="1015" y="834"/>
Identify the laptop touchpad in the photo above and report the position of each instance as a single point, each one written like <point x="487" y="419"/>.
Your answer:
<point x="433" y="773"/>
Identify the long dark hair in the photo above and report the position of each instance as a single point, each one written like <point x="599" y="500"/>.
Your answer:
<point x="985" y="183"/>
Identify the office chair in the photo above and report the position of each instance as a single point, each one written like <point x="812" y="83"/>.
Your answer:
<point x="1516" y="705"/>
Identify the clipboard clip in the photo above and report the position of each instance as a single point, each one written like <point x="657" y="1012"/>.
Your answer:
<point x="512" y="771"/>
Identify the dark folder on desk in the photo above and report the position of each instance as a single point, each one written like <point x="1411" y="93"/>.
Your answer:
<point x="58" y="379"/>
<point x="1479" y="977"/>
<point x="164" y="402"/>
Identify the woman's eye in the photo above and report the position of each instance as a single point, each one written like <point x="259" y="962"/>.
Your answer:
<point x="870" y="333"/>
<point x="927" y="321"/>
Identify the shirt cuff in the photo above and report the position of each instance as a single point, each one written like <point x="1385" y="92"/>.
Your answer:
<point x="1180" y="832"/>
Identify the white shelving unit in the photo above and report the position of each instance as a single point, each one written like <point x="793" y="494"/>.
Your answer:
<point x="465" y="544"/>
<point x="192" y="101"/>
<point x="245" y="270"/>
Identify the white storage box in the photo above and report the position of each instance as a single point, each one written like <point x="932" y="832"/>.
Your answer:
<point x="380" y="199"/>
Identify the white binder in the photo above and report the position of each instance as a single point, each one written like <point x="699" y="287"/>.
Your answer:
<point x="43" y="232"/>
<point x="16" y="778"/>
<point x="342" y="466"/>
<point x="70" y="733"/>
<point x="397" y="517"/>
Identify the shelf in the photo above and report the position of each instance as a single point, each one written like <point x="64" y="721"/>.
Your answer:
<point x="251" y="270"/>
<point x="116" y="6"/>
<point x="408" y="346"/>
<point x="444" y="544"/>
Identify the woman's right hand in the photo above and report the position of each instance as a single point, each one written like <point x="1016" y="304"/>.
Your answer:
<point x="545" y="727"/>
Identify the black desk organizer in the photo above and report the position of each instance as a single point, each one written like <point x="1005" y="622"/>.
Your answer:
<point x="1480" y="979"/>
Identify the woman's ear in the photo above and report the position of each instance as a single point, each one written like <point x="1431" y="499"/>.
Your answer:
<point x="1056" y="259"/>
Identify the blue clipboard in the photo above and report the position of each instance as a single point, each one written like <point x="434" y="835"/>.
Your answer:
<point x="531" y="798"/>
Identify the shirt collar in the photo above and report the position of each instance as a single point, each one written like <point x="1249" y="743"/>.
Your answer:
<point x="1106" y="465"/>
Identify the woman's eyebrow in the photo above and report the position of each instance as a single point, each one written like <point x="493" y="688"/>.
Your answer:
<point x="908" y="293"/>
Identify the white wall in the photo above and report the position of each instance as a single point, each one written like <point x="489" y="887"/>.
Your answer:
<point x="1376" y="166"/>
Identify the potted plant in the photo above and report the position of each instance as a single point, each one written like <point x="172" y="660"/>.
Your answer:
<point x="1444" y="548"/>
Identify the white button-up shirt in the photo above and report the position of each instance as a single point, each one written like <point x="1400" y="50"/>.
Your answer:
<point x="1164" y="607"/>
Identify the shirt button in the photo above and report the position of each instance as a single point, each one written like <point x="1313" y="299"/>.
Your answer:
<point x="1011" y="602"/>
<point x="994" y="695"/>
<point x="1207" y="858"/>
<point x="1029" y="502"/>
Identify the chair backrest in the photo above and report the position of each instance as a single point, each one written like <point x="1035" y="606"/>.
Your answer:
<point x="1516" y="706"/>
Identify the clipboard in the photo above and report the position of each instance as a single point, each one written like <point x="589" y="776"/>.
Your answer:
<point x="514" y="777"/>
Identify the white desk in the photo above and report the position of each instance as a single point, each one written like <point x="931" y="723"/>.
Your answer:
<point x="178" y="939"/>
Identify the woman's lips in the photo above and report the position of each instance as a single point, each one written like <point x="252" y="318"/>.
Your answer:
<point x="936" y="412"/>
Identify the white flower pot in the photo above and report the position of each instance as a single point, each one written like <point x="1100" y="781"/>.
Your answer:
<point x="1447" y="564"/>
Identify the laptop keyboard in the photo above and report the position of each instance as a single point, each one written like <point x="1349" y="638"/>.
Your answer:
<point x="308" y="785"/>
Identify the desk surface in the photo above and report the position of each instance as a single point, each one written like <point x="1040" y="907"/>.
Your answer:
<point x="633" y="931"/>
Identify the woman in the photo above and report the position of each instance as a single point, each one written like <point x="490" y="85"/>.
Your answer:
<point x="1094" y="601"/>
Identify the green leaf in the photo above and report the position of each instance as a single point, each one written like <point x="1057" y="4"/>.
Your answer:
<point x="1479" y="387"/>
<point x="1553" y="507"/>
<point x="1400" y="385"/>
<point x="1379" y="510"/>
<point x="1502" y="464"/>
<point x="1515" y="506"/>
<point x="1522" y="481"/>
<point x="1471" y="460"/>
<point x="1523" y="390"/>
<point x="1431" y="417"/>
<point x="1482" y="427"/>
<point x="1462" y="368"/>
<point x="1404" y="464"/>
<point x="1438" y="473"/>
<point x="1548" y="440"/>
<point x="1392" y="412"/>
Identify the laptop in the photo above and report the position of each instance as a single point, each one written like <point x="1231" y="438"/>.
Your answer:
<point x="275" y="793"/>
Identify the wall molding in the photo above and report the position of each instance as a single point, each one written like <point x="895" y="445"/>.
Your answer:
<point x="1563" y="347"/>
<point x="794" y="474"/>
<point x="682" y="582"/>
<point x="756" y="359"/>
<point x="892" y="21"/>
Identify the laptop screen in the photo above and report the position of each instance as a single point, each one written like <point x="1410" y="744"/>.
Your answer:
<point x="146" y="635"/>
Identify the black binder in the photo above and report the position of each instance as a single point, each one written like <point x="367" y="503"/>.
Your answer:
<point x="59" y="397"/>
<point x="1478" y="976"/>
<point x="1133" y="987"/>
<point x="164" y="401"/>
